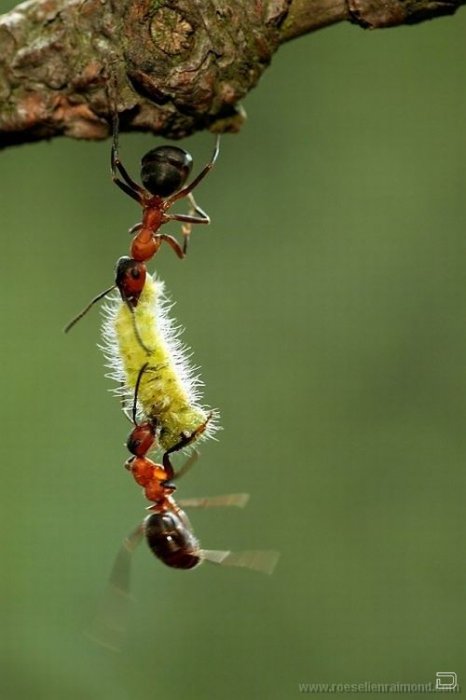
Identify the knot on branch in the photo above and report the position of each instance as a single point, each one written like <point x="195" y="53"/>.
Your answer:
<point x="179" y="65"/>
<point x="373" y="14"/>
<point x="167" y="66"/>
<point x="197" y="59"/>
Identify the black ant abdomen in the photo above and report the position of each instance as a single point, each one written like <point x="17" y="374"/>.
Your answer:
<point x="165" y="169"/>
<point x="170" y="537"/>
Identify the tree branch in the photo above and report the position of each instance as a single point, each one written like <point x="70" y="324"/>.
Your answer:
<point x="168" y="66"/>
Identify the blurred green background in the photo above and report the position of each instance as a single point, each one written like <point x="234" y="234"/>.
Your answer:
<point x="326" y="305"/>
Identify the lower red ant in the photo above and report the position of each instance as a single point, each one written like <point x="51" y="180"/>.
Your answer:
<point x="156" y="479"/>
<point x="167" y="529"/>
<point x="164" y="171"/>
<point x="170" y="537"/>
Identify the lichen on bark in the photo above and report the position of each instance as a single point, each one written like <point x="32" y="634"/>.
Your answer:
<point x="177" y="66"/>
<point x="168" y="66"/>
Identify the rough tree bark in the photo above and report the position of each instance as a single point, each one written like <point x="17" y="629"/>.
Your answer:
<point x="168" y="66"/>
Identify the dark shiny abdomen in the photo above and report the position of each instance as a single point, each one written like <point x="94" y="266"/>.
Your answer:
<point x="170" y="537"/>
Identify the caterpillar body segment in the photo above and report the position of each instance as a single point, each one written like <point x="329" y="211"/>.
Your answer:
<point x="143" y="348"/>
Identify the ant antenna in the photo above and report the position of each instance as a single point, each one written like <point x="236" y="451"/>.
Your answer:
<point x="136" y="390"/>
<point x="82" y="313"/>
<point x="146" y="349"/>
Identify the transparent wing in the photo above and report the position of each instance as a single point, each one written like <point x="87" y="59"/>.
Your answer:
<point x="232" y="499"/>
<point x="192" y="459"/>
<point x="261" y="561"/>
<point x="108" y="629"/>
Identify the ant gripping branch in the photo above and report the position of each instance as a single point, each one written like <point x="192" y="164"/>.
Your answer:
<point x="164" y="172"/>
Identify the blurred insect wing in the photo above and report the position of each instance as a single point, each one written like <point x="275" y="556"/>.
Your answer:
<point x="262" y="561"/>
<point x="239" y="500"/>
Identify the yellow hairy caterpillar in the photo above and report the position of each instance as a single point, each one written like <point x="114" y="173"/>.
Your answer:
<point x="156" y="363"/>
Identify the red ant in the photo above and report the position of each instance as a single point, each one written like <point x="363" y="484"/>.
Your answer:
<point x="156" y="479"/>
<point x="170" y="536"/>
<point x="164" y="171"/>
<point x="167" y="529"/>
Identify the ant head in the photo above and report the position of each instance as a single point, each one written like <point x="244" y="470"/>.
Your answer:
<point x="130" y="276"/>
<point x="141" y="439"/>
<point x="165" y="169"/>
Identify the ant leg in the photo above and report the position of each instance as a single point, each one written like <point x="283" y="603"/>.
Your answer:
<point x="189" y="188"/>
<point x="187" y="227"/>
<point x="188" y="221"/>
<point x="127" y="190"/>
<point x="186" y="232"/>
<point x="130" y="187"/>
<point x="172" y="242"/>
<point x="171" y="474"/>
<point x="195" y="208"/>
<point x="169" y="469"/>
<point x="184" y="441"/>
<point x="136" y="227"/>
